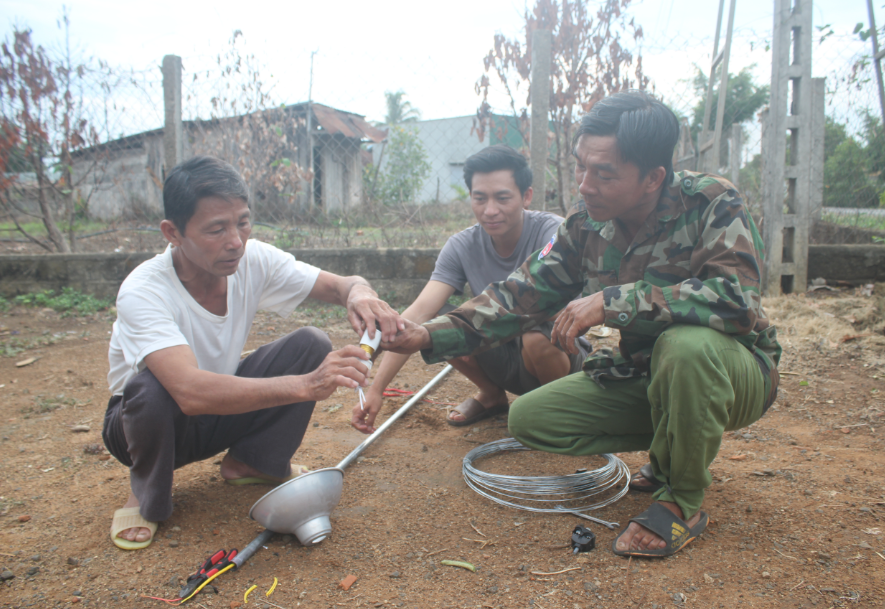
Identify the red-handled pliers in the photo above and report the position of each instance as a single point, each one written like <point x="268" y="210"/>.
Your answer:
<point x="214" y="565"/>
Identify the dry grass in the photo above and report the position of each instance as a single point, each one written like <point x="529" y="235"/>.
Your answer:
<point x="831" y="320"/>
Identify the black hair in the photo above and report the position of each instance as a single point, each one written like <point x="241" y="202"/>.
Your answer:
<point x="496" y="158"/>
<point x="646" y="130"/>
<point x="195" y="179"/>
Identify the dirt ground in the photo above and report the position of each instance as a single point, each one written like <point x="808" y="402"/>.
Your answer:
<point x="797" y="501"/>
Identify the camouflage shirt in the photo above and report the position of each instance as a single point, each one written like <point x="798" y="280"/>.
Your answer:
<point x="696" y="260"/>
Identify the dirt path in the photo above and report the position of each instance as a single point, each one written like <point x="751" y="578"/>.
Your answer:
<point x="797" y="501"/>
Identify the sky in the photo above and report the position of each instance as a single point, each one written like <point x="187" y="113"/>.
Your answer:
<point x="432" y="51"/>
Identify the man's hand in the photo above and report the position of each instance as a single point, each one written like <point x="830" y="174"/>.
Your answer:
<point x="410" y="339"/>
<point x="342" y="368"/>
<point x="575" y="319"/>
<point x="364" y="420"/>
<point x="364" y="308"/>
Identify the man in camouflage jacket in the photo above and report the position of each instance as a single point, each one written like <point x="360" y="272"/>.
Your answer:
<point x="673" y="261"/>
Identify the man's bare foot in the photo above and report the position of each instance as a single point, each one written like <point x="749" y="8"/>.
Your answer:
<point x="137" y="534"/>
<point x="637" y="537"/>
<point x="487" y="399"/>
<point x="231" y="469"/>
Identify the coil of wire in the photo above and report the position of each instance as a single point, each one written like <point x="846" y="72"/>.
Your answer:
<point x="583" y="490"/>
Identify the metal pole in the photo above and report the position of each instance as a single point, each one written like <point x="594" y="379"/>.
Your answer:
<point x="713" y="165"/>
<point x="310" y="199"/>
<point x="405" y="408"/>
<point x="542" y="45"/>
<point x="877" y="57"/>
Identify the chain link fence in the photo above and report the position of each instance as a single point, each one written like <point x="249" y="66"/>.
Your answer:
<point x="354" y="156"/>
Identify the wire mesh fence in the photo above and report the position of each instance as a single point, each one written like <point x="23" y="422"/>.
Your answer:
<point x="356" y="152"/>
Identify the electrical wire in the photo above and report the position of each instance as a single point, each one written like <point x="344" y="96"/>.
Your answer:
<point x="546" y="494"/>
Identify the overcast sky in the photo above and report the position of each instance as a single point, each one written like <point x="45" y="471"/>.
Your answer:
<point x="432" y="50"/>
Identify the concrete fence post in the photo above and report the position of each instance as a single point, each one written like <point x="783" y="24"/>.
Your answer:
<point x="173" y="133"/>
<point x="734" y="154"/>
<point x="542" y="46"/>
<point x="788" y="149"/>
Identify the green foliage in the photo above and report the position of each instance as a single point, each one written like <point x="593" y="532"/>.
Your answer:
<point x="69" y="302"/>
<point x="854" y="167"/>
<point x="4" y="304"/>
<point x="399" y="110"/>
<point x="743" y="100"/>
<point x="405" y="169"/>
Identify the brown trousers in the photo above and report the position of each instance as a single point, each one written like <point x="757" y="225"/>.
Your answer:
<point x="146" y="430"/>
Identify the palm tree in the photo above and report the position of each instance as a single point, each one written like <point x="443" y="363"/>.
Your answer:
<point x="399" y="110"/>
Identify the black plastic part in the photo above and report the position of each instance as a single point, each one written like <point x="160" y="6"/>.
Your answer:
<point x="583" y="539"/>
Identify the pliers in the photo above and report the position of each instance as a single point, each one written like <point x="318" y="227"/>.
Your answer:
<point x="214" y="566"/>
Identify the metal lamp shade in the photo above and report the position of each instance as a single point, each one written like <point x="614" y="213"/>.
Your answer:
<point x="301" y="506"/>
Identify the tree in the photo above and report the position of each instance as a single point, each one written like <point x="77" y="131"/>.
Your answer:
<point x="742" y="101"/>
<point x="43" y="123"/>
<point x="589" y="62"/>
<point x="247" y="128"/>
<point x="406" y="167"/>
<point x="399" y="109"/>
<point x="854" y="167"/>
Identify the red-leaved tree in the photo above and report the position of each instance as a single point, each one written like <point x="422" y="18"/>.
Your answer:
<point x="590" y="60"/>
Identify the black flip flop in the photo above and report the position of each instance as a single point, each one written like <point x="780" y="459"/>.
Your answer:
<point x="645" y="472"/>
<point x="474" y="411"/>
<point x="668" y="526"/>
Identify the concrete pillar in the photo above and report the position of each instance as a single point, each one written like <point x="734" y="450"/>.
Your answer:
<point x="787" y="176"/>
<point x="734" y="154"/>
<point x="818" y="127"/>
<point x="542" y="45"/>
<point x="173" y="134"/>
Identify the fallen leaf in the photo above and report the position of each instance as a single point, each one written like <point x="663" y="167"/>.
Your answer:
<point x="24" y="518"/>
<point x="846" y="430"/>
<point x="104" y="457"/>
<point x="708" y="579"/>
<point x="737" y="458"/>
<point x="873" y="531"/>
<point x="26" y="362"/>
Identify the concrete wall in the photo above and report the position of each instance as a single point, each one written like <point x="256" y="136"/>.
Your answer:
<point x="855" y="263"/>
<point x="397" y="274"/>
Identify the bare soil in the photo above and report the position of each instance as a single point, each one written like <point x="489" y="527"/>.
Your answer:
<point x="796" y="504"/>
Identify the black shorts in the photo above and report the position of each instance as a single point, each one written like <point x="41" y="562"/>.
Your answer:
<point x="505" y="367"/>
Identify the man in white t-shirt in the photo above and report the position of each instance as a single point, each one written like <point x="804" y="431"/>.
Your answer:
<point x="507" y="232"/>
<point x="180" y="391"/>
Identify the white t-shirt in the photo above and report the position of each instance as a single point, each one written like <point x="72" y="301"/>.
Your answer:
<point x="155" y="311"/>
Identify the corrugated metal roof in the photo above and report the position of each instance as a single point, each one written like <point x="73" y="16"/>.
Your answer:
<point x="347" y="124"/>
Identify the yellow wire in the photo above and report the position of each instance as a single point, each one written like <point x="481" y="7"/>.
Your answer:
<point x="203" y="585"/>
<point x="269" y="592"/>
<point x="246" y="596"/>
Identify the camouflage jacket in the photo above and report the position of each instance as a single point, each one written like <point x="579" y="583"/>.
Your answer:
<point x="696" y="260"/>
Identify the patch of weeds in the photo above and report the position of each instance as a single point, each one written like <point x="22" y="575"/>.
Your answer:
<point x="69" y="302"/>
<point x="44" y="404"/>
<point x="15" y="345"/>
<point x="4" y="305"/>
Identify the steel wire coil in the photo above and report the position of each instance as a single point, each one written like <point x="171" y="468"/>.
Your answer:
<point x="545" y="494"/>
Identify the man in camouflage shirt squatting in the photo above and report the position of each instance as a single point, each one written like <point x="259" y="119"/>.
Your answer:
<point x="672" y="260"/>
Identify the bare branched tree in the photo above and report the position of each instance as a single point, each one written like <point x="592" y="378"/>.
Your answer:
<point x="590" y="61"/>
<point x="247" y="128"/>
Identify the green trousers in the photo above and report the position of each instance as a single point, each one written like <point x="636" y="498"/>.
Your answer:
<point x="701" y="383"/>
